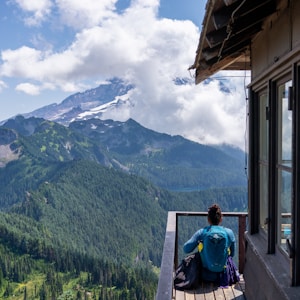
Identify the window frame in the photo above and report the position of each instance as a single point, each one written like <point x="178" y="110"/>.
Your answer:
<point x="291" y="72"/>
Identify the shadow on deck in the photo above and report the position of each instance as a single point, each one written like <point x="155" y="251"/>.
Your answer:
<point x="169" y="263"/>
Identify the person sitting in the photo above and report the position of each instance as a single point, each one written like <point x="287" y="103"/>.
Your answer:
<point x="215" y="244"/>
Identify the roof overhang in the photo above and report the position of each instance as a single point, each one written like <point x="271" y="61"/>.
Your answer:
<point x="227" y="30"/>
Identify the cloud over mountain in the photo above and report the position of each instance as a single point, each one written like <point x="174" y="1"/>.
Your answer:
<point x="74" y="45"/>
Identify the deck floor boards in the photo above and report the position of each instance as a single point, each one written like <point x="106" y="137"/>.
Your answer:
<point x="209" y="291"/>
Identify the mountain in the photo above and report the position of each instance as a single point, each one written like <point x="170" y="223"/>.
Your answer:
<point x="84" y="201"/>
<point x="73" y="202"/>
<point x="108" y="96"/>
<point x="89" y="104"/>
<point x="79" y="220"/>
<point x="170" y="162"/>
<point x="49" y="169"/>
<point x="88" y="172"/>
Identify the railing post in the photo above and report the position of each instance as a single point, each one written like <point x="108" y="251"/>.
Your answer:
<point x="176" y="244"/>
<point x="165" y="284"/>
<point x="242" y="229"/>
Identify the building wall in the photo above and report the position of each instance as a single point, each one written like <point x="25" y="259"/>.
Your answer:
<point x="273" y="53"/>
<point x="266" y="276"/>
<point x="280" y="36"/>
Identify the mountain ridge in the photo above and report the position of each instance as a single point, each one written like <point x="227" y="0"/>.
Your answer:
<point x="92" y="196"/>
<point x="167" y="161"/>
<point x="88" y="104"/>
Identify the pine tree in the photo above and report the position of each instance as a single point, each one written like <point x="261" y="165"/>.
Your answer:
<point x="78" y="295"/>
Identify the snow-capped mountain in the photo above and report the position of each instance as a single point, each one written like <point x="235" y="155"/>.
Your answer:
<point x="110" y="96"/>
<point x="86" y="105"/>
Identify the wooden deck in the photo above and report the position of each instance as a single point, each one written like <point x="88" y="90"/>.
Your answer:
<point x="210" y="291"/>
<point x="165" y="289"/>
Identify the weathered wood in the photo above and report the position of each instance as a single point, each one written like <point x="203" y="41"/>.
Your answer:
<point x="165" y="284"/>
<point x="180" y="295"/>
<point x="228" y="293"/>
<point x="189" y="295"/>
<point x="242" y="229"/>
<point x="199" y="293"/>
<point x="218" y="293"/>
<point x="238" y="291"/>
<point x="210" y="291"/>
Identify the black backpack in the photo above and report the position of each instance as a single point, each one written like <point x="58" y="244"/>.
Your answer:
<point x="188" y="273"/>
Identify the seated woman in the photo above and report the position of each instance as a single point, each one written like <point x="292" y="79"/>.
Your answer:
<point x="215" y="244"/>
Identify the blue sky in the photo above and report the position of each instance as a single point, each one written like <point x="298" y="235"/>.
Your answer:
<point x="50" y="49"/>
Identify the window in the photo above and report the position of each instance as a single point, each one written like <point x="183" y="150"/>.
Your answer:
<point x="263" y="160"/>
<point x="274" y="164"/>
<point x="284" y="164"/>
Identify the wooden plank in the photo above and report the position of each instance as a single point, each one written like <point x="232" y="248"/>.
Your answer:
<point x="189" y="295"/>
<point x="179" y="295"/>
<point x="199" y="296"/>
<point x="219" y="295"/>
<point x="229" y="294"/>
<point x="200" y="292"/>
<point x="242" y="283"/>
<point x="237" y="290"/>
<point x="209" y="291"/>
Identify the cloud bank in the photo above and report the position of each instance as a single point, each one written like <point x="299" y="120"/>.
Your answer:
<point x="137" y="46"/>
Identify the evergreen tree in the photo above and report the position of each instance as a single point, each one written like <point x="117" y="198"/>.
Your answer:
<point x="78" y="295"/>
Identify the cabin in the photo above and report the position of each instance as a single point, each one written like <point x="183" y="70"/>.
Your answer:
<point x="262" y="37"/>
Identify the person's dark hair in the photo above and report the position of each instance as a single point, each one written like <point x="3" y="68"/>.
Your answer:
<point x="215" y="214"/>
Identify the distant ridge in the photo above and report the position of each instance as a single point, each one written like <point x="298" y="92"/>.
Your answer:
<point x="171" y="162"/>
<point x="89" y="104"/>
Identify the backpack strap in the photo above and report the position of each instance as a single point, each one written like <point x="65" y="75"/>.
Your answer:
<point x="200" y="243"/>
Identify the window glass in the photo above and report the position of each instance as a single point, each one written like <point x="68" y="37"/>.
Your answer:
<point x="284" y="164"/>
<point x="263" y="195"/>
<point x="285" y="207"/>
<point x="263" y="160"/>
<point x="264" y="128"/>
<point x="285" y="125"/>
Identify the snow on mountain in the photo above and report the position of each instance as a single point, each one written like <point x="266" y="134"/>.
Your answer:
<point x="111" y="95"/>
<point x="96" y="112"/>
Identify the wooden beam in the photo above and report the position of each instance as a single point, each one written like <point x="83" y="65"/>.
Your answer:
<point x="229" y="2"/>
<point x="216" y="37"/>
<point x="165" y="284"/>
<point x="223" y="64"/>
<point x="222" y="16"/>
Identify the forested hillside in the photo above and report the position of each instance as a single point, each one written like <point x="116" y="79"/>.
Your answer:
<point x="74" y="227"/>
<point x="171" y="162"/>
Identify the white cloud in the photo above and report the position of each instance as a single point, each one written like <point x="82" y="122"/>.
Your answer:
<point x="28" y="88"/>
<point x="3" y="85"/>
<point x="84" y="14"/>
<point x="122" y="46"/>
<point x="37" y="9"/>
<point x="141" y="48"/>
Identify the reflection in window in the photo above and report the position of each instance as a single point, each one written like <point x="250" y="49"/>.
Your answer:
<point x="284" y="186"/>
<point x="284" y="164"/>
<point x="263" y="160"/>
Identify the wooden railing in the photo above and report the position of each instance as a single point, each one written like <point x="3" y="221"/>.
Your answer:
<point x="170" y="251"/>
